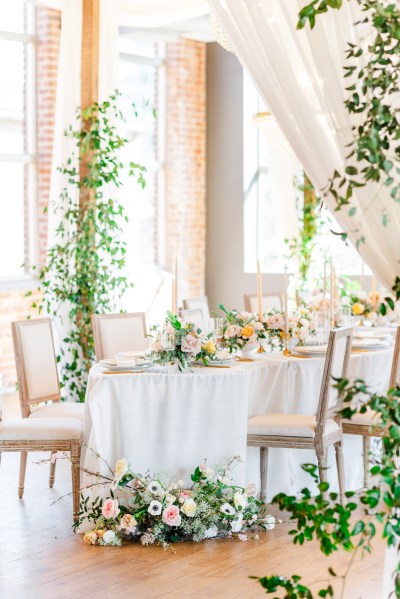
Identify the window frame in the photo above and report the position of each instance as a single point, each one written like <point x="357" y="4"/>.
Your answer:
<point x="27" y="157"/>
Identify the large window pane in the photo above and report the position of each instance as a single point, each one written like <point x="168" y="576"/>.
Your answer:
<point x="11" y="79"/>
<point x="12" y="221"/>
<point x="12" y="15"/>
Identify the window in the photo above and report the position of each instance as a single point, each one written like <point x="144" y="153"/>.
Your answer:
<point x="269" y="195"/>
<point x="270" y="200"/>
<point x="142" y="82"/>
<point x="17" y="143"/>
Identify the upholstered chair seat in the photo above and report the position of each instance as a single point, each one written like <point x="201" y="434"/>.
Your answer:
<point x="40" y="429"/>
<point x="59" y="410"/>
<point x="288" y="425"/>
<point x="369" y="418"/>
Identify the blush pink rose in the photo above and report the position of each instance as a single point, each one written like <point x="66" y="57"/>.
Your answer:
<point x="185" y="494"/>
<point x="191" y="344"/>
<point x="258" y="326"/>
<point x="110" y="508"/>
<point x="276" y="321"/>
<point x="171" y="516"/>
<point x="232" y="331"/>
<point x="245" y="315"/>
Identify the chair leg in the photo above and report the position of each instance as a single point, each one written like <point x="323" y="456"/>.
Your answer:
<point x="52" y="473"/>
<point x="22" y="469"/>
<point x="322" y="464"/>
<point x="263" y="472"/>
<point x="366" y="451"/>
<point x="340" y="471"/>
<point x="75" y="463"/>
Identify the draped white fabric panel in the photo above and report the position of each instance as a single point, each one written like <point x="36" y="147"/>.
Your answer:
<point x="299" y="76"/>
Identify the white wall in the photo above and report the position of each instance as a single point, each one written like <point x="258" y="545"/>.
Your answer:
<point x="226" y="281"/>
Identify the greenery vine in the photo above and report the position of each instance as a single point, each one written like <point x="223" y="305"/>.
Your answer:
<point x="302" y="246"/>
<point x="374" y="81"/>
<point x="84" y="270"/>
<point x="334" y="525"/>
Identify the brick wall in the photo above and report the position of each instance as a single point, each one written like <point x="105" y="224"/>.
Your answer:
<point x="185" y="161"/>
<point x="13" y="304"/>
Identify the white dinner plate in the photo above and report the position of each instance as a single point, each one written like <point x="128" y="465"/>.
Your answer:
<point x="370" y="344"/>
<point x="311" y="350"/>
<point x="111" y="364"/>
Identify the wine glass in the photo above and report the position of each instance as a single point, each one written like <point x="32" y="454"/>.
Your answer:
<point x="321" y="327"/>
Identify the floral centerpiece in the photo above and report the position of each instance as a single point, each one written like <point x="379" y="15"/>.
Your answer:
<point x="150" y="510"/>
<point x="241" y="329"/>
<point x="359" y="304"/>
<point x="180" y="342"/>
<point x="299" y="327"/>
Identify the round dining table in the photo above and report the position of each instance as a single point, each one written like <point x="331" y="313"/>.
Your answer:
<point x="167" y="422"/>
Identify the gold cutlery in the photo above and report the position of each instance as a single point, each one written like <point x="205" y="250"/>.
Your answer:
<point x="123" y="371"/>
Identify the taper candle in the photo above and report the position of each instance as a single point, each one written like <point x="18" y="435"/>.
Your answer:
<point x="331" y="296"/>
<point x="259" y="292"/>
<point x="285" y="302"/>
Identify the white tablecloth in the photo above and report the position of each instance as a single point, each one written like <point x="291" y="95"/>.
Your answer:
<point x="170" y="422"/>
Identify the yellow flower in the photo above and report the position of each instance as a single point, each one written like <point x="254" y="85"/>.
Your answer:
<point x="209" y="347"/>
<point x="121" y="467"/>
<point x="100" y="532"/>
<point x="357" y="308"/>
<point x="247" y="331"/>
<point x="90" y="537"/>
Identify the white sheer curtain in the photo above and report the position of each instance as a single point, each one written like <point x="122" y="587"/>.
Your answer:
<point x="299" y="76"/>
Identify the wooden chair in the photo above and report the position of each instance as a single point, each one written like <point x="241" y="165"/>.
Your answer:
<point x="38" y="384"/>
<point x="269" y="301"/>
<point x="45" y="434"/>
<point x="201" y="303"/>
<point x="195" y="316"/>
<point x="115" y="333"/>
<point x="367" y="424"/>
<point x="308" y="432"/>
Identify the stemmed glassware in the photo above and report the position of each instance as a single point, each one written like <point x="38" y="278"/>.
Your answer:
<point x="321" y="327"/>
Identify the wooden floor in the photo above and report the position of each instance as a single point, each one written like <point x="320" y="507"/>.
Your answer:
<point x="41" y="558"/>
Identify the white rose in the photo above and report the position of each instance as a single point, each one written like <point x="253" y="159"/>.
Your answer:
<point x="240" y="501"/>
<point x="189" y="508"/>
<point x="361" y="295"/>
<point x="304" y="322"/>
<point x="211" y="532"/>
<point x="237" y="523"/>
<point x="109" y="537"/>
<point x="346" y="301"/>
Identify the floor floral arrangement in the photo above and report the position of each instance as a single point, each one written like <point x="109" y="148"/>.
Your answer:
<point x="152" y="511"/>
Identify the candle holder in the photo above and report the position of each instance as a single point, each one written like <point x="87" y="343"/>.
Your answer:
<point x="261" y="350"/>
<point x="286" y="351"/>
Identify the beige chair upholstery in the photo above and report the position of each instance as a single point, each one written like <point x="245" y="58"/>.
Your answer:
<point x="195" y="316"/>
<point x="114" y="333"/>
<point x="269" y="301"/>
<point x="288" y="425"/>
<point x="59" y="410"/>
<point x="308" y="431"/>
<point x="201" y="303"/>
<point x="38" y="385"/>
<point x="39" y="429"/>
<point x="45" y="434"/>
<point x="367" y="425"/>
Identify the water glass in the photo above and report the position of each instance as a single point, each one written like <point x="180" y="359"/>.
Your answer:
<point x="168" y="341"/>
<point x="343" y="316"/>
<point x="321" y="327"/>
<point x="218" y="334"/>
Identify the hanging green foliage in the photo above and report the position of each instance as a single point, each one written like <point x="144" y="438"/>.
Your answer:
<point x="84" y="270"/>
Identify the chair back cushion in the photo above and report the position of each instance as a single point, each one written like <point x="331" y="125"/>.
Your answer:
<point x="35" y="361"/>
<point x="195" y="316"/>
<point x="201" y="303"/>
<point x="115" y="333"/>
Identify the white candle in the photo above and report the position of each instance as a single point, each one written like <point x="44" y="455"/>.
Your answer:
<point x="362" y="275"/>
<point x="173" y="295"/>
<point x="176" y="280"/>
<point x="285" y="303"/>
<point x="373" y="291"/>
<point x="259" y="292"/>
<point x="324" y="277"/>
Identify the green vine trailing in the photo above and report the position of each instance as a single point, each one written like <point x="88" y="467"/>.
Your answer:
<point x="302" y="246"/>
<point x="335" y="526"/>
<point x="373" y="72"/>
<point x="84" y="270"/>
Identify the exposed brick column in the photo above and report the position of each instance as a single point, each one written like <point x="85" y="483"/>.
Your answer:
<point x="48" y="25"/>
<point x="186" y="166"/>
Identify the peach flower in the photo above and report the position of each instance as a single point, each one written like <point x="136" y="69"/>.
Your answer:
<point x="232" y="331"/>
<point x="172" y="516"/>
<point x="276" y="321"/>
<point x="191" y="344"/>
<point x="247" y="331"/>
<point x="110" y="508"/>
